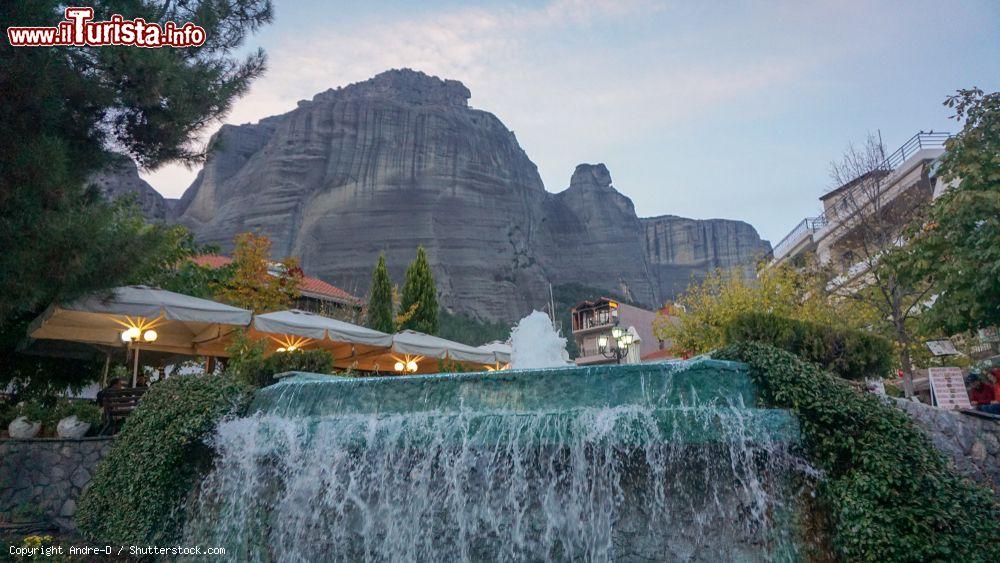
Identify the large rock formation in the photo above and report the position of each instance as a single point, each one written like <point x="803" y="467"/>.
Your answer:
<point x="594" y="237"/>
<point x="680" y="250"/>
<point x="402" y="160"/>
<point x="121" y="179"/>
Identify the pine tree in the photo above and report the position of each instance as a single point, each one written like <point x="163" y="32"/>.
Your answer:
<point x="380" y="316"/>
<point x="420" y="296"/>
<point x="65" y="108"/>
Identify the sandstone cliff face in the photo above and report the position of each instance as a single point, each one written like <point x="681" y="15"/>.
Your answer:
<point x="594" y="237"/>
<point x="680" y="251"/>
<point x="402" y="160"/>
<point x="385" y="165"/>
<point x="121" y="179"/>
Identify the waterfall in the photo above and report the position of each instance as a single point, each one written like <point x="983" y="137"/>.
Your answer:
<point x="647" y="462"/>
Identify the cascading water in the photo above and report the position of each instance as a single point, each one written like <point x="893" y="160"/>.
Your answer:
<point x="642" y="462"/>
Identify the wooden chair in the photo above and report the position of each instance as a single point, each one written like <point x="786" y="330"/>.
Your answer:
<point x="118" y="404"/>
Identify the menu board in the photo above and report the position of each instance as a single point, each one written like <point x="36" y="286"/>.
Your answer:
<point x="942" y="347"/>
<point x="948" y="388"/>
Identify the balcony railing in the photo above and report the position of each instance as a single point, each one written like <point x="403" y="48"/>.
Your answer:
<point x="916" y="143"/>
<point x="808" y="226"/>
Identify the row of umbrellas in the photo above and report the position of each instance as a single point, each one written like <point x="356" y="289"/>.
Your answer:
<point x="154" y="319"/>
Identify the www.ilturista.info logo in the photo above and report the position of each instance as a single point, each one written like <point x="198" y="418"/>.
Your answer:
<point x="79" y="30"/>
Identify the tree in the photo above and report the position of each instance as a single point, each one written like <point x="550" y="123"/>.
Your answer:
<point x="869" y="222"/>
<point x="698" y="321"/>
<point x="956" y="248"/>
<point x="380" y="315"/>
<point x="257" y="283"/>
<point x="65" y="108"/>
<point x="419" y="297"/>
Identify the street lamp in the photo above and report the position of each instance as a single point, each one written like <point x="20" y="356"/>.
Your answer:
<point x="136" y="331"/>
<point x="616" y="347"/>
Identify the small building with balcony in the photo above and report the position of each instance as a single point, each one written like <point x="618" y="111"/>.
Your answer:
<point x="597" y="319"/>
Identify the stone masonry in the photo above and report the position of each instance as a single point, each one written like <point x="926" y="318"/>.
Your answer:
<point x="971" y="441"/>
<point x="48" y="474"/>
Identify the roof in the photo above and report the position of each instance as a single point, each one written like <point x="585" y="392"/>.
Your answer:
<point x="586" y="304"/>
<point x="309" y="286"/>
<point x="875" y="174"/>
<point x="665" y="354"/>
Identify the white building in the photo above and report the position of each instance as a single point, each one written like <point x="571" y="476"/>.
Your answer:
<point x="907" y="175"/>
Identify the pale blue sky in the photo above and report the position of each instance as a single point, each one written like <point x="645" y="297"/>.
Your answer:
<point x="699" y="109"/>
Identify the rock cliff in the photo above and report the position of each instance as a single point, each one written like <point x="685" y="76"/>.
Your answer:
<point x="121" y="179"/>
<point x="402" y="160"/>
<point x="680" y="250"/>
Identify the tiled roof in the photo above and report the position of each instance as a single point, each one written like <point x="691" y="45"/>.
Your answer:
<point x="664" y="354"/>
<point x="319" y="287"/>
<point x="313" y="287"/>
<point x="211" y="260"/>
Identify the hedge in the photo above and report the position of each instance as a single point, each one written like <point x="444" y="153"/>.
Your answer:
<point x="851" y="354"/>
<point x="890" y="495"/>
<point x="137" y="494"/>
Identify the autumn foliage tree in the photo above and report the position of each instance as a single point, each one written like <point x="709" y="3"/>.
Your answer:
<point x="257" y="283"/>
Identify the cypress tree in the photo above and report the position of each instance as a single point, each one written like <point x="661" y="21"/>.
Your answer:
<point x="420" y="296"/>
<point x="380" y="315"/>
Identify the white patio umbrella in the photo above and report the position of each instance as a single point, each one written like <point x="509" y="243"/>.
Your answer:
<point x="501" y="353"/>
<point x="143" y="318"/>
<point x="293" y="329"/>
<point x="411" y="351"/>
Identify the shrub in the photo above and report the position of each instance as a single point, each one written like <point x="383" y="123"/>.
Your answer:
<point x="34" y="411"/>
<point x="851" y="354"/>
<point x="137" y="493"/>
<point x="249" y="364"/>
<point x="889" y="494"/>
<point x="84" y="411"/>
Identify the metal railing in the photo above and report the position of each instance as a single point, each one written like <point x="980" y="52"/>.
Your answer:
<point x="915" y="144"/>
<point x="809" y="225"/>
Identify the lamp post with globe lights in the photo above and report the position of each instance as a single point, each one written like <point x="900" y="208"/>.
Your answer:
<point x="132" y="336"/>
<point x="616" y="347"/>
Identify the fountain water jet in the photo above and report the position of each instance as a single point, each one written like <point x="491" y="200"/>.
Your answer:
<point x="536" y="344"/>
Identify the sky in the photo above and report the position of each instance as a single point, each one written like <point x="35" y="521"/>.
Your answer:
<point x="700" y="109"/>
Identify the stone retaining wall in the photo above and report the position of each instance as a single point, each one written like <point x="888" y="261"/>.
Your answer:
<point x="47" y="475"/>
<point x="972" y="442"/>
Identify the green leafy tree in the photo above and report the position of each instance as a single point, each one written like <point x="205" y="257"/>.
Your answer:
<point x="956" y="248"/>
<point x="697" y="322"/>
<point x="419" y="297"/>
<point x="65" y="107"/>
<point x="380" y="306"/>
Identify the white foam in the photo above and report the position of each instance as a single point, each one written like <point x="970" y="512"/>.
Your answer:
<point x="536" y="344"/>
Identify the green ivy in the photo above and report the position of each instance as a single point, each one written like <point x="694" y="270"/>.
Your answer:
<point x="138" y="491"/>
<point x="890" y="495"/>
<point x="851" y="354"/>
